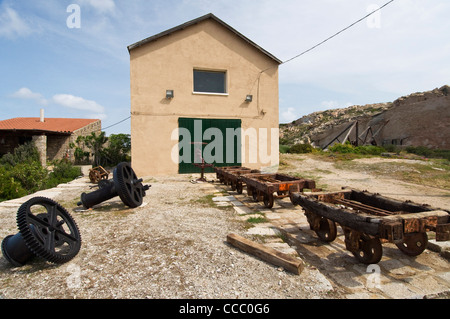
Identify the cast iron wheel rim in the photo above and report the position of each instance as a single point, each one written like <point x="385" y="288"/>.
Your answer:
<point x="129" y="187"/>
<point x="268" y="200"/>
<point x="370" y="250"/>
<point x="327" y="230"/>
<point x="53" y="235"/>
<point x="413" y="244"/>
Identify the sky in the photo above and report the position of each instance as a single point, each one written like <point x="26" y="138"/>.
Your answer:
<point x="70" y="58"/>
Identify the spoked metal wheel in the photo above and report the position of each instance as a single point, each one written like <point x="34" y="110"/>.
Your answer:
<point x="48" y="230"/>
<point x="413" y="244"/>
<point x="128" y="186"/>
<point x="327" y="230"/>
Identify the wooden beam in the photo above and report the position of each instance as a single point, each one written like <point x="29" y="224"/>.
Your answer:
<point x="268" y="254"/>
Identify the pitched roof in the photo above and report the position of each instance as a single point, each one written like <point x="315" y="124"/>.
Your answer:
<point x="57" y="125"/>
<point x="198" y="20"/>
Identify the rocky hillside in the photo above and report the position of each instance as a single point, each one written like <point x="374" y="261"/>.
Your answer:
<point x="421" y="118"/>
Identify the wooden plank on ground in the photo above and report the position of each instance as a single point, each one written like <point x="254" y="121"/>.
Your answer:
<point x="268" y="254"/>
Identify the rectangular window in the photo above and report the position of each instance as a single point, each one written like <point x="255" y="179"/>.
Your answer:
<point x="210" y="82"/>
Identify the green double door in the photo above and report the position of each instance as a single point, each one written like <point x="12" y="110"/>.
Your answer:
<point x="216" y="141"/>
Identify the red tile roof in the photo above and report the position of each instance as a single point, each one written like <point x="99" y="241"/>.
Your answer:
<point x="60" y="125"/>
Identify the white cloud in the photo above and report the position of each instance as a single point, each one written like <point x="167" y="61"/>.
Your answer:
<point x="11" y="25"/>
<point x="26" y="93"/>
<point x="288" y="115"/>
<point x="78" y="103"/>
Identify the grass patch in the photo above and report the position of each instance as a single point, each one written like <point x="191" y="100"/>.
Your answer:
<point x="433" y="173"/>
<point x="257" y="220"/>
<point x="205" y="200"/>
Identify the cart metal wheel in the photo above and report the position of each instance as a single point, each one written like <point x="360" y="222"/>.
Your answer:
<point x="327" y="230"/>
<point x="413" y="244"/>
<point x="370" y="250"/>
<point x="268" y="200"/>
<point x="239" y="187"/>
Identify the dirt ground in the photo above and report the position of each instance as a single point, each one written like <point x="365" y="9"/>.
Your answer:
<point x="174" y="245"/>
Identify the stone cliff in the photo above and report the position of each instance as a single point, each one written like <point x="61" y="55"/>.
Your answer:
<point x="418" y="119"/>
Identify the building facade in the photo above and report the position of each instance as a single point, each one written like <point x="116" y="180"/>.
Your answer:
<point x="202" y="91"/>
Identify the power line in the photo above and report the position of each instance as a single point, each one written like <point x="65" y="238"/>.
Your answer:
<point x="329" y="38"/>
<point x="337" y="33"/>
<point x="116" y="123"/>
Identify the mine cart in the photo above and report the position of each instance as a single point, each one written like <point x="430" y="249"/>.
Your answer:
<point x="220" y="171"/>
<point x="233" y="177"/>
<point x="369" y="219"/>
<point x="263" y="186"/>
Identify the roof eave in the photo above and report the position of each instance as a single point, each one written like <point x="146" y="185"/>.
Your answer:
<point x="195" y="21"/>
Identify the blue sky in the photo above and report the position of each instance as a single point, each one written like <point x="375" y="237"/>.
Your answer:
<point x="84" y="72"/>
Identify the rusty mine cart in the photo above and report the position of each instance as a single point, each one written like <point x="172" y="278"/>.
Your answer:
<point x="369" y="219"/>
<point x="265" y="186"/>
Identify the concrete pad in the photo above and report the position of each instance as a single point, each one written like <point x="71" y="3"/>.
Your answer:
<point x="438" y="246"/>
<point x="236" y="203"/>
<point x="263" y="231"/>
<point x="397" y="290"/>
<point x="223" y="199"/>
<point x="223" y="204"/>
<point x="242" y="210"/>
<point x="283" y="247"/>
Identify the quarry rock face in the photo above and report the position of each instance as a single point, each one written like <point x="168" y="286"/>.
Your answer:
<point x="418" y="119"/>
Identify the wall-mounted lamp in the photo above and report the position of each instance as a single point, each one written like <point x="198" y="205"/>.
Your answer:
<point x="249" y="98"/>
<point x="169" y="94"/>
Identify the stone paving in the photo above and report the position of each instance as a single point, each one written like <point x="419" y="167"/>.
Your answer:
<point x="396" y="276"/>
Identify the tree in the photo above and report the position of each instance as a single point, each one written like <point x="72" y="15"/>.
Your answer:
<point x="95" y="144"/>
<point x="118" y="149"/>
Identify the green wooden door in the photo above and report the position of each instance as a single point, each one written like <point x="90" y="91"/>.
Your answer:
<point x="217" y="141"/>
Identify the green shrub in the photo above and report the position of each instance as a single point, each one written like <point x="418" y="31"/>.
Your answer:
<point x="284" y="149"/>
<point x="26" y="153"/>
<point x="348" y="148"/>
<point x="301" y="148"/>
<point x="21" y="173"/>
<point x="63" y="172"/>
<point x="31" y="175"/>
<point x="342" y="148"/>
<point x="427" y="152"/>
<point x="10" y="188"/>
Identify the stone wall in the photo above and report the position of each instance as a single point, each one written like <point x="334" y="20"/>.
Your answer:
<point x="40" y="141"/>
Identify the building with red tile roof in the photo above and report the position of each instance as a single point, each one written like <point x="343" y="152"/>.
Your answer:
<point x="52" y="136"/>
<point x="53" y="125"/>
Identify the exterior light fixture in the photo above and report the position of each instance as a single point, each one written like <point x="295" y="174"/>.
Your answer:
<point x="169" y="94"/>
<point x="249" y="98"/>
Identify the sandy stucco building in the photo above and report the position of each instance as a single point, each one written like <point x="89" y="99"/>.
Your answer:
<point x="197" y="76"/>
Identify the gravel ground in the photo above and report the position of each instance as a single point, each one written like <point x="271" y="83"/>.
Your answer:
<point x="173" y="246"/>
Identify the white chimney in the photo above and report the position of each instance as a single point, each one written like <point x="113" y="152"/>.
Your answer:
<point x="42" y="116"/>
